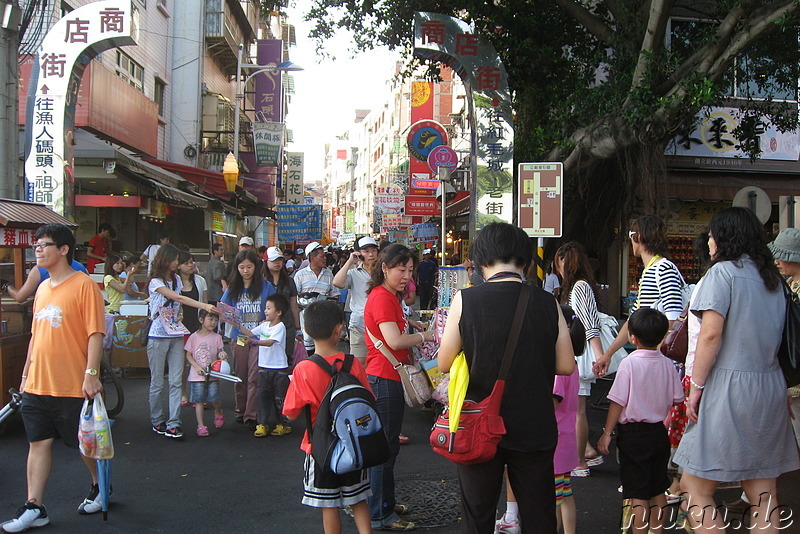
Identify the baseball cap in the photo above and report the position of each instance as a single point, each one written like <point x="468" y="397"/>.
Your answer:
<point x="426" y="251"/>
<point x="366" y="242"/>
<point x="299" y="251"/>
<point x="246" y="240"/>
<point x="311" y="247"/>
<point x="273" y="253"/>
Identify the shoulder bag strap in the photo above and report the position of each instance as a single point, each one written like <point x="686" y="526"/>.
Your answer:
<point x="516" y="327"/>
<point x="381" y="346"/>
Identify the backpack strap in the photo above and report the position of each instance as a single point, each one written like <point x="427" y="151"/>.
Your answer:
<point x="347" y="363"/>
<point x="319" y="360"/>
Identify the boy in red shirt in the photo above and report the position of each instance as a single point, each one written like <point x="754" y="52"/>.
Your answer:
<point x="323" y="323"/>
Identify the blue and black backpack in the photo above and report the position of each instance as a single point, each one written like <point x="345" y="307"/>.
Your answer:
<point x="347" y="435"/>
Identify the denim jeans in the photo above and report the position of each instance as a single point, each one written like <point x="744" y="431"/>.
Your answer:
<point x="169" y="351"/>
<point x="389" y="394"/>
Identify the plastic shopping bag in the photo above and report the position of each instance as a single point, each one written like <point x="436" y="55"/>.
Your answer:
<point x="94" y="431"/>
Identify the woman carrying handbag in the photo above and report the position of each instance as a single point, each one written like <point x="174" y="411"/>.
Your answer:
<point x="478" y="322"/>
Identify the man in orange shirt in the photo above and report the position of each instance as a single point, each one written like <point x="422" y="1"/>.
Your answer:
<point x="61" y="368"/>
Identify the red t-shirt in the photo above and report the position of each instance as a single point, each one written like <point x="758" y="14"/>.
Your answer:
<point x="309" y="384"/>
<point x="383" y="306"/>
<point x="98" y="245"/>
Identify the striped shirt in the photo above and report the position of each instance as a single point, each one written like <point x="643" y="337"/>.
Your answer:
<point x="308" y="282"/>
<point x="661" y="286"/>
<point x="583" y="303"/>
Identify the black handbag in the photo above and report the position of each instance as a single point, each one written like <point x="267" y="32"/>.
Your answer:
<point x="789" y="351"/>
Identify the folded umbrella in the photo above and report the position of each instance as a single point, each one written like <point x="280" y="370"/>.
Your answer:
<point x="457" y="390"/>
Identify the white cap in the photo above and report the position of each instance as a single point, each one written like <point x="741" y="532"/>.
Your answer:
<point x="426" y="251"/>
<point x="273" y="253"/>
<point x="246" y="240"/>
<point x="366" y="242"/>
<point x="311" y="247"/>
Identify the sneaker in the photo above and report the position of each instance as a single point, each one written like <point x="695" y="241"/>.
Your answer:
<point x="29" y="516"/>
<point x="401" y="525"/>
<point x="404" y="440"/>
<point x="219" y="421"/>
<point x="261" y="431"/>
<point x="174" y="432"/>
<point x="160" y="428"/>
<point x="91" y="504"/>
<point x="239" y="419"/>
<point x="202" y="431"/>
<point x="501" y="526"/>
<point x="281" y="430"/>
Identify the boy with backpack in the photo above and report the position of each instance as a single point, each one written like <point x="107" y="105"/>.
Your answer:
<point x="316" y="387"/>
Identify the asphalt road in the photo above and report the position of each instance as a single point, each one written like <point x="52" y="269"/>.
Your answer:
<point x="233" y="482"/>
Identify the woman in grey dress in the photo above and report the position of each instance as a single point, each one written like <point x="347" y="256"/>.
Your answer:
<point x="739" y="426"/>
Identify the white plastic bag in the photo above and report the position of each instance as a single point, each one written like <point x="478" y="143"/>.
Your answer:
<point x="608" y="333"/>
<point x="94" y="431"/>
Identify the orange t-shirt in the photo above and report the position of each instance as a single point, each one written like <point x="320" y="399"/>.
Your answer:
<point x="64" y="317"/>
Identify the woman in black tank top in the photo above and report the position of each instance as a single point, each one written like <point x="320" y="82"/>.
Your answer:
<point x="478" y="323"/>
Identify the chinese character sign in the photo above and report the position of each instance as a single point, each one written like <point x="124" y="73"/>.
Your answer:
<point x="540" y="204"/>
<point x="268" y="84"/>
<point x="454" y="42"/>
<point x="268" y="140"/>
<point x="299" y="223"/>
<point x="295" y="194"/>
<point x="70" y="44"/>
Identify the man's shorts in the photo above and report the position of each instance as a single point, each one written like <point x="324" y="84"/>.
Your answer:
<point x="47" y="417"/>
<point x="563" y="487"/>
<point x="643" y="458"/>
<point x="354" y="488"/>
<point x="204" y="391"/>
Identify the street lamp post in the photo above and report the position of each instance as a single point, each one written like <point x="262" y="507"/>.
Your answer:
<point x="444" y="193"/>
<point x="286" y="66"/>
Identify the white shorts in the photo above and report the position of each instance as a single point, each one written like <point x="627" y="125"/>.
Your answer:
<point x="356" y="491"/>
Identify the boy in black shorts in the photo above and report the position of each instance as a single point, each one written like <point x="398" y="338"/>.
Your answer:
<point x="644" y="390"/>
<point x="61" y="368"/>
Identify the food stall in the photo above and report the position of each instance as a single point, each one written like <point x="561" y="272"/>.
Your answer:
<point x="19" y="221"/>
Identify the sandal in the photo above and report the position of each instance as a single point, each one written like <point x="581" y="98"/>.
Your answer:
<point x="594" y="462"/>
<point x="579" y="473"/>
<point x="202" y="431"/>
<point x="219" y="421"/>
<point x="673" y="498"/>
<point x="403" y="439"/>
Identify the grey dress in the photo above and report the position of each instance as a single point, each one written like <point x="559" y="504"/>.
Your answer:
<point x="743" y="411"/>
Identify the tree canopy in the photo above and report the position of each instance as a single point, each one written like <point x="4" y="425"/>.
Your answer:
<point x="603" y="85"/>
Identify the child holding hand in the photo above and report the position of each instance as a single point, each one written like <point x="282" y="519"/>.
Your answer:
<point x="644" y="390"/>
<point x="202" y="349"/>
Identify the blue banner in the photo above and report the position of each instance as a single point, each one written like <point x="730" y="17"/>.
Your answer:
<point x="299" y="223"/>
<point x="426" y="232"/>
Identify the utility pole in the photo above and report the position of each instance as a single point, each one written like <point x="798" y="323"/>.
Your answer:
<point x="9" y="131"/>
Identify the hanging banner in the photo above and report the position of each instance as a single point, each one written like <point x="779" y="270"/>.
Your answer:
<point x="269" y="52"/>
<point x="61" y="59"/>
<point x="295" y="194"/>
<point x="267" y="140"/>
<point x="299" y="223"/>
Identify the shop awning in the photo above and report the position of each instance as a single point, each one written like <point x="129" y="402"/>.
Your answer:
<point x="21" y="214"/>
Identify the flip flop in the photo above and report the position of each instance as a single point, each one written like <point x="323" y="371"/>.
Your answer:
<point x="580" y="473"/>
<point x="594" y="462"/>
<point x="672" y="498"/>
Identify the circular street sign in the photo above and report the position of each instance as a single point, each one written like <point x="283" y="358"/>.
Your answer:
<point x="442" y="156"/>
<point x="424" y="136"/>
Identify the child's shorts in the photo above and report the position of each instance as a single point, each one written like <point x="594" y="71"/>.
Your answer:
<point x="643" y="458"/>
<point x="204" y="391"/>
<point x="563" y="487"/>
<point x="354" y="488"/>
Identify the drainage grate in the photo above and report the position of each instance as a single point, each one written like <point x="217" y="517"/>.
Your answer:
<point x="433" y="503"/>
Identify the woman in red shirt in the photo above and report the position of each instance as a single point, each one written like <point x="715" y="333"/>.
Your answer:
<point x="384" y="319"/>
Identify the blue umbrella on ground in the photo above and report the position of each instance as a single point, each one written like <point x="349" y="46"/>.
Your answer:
<point x="104" y="453"/>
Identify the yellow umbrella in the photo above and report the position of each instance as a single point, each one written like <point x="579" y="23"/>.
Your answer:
<point x="457" y="389"/>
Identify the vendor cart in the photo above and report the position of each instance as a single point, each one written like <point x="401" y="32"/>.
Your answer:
<point x="18" y="222"/>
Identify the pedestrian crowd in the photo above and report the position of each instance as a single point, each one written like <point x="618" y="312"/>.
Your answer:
<point x="681" y="427"/>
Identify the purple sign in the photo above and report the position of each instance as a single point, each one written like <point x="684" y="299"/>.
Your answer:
<point x="442" y="156"/>
<point x="268" y="103"/>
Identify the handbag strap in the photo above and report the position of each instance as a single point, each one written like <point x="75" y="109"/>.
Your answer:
<point x="516" y="327"/>
<point x="381" y="346"/>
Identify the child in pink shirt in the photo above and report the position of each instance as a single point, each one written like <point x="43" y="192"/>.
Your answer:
<point x="565" y="459"/>
<point x="644" y="390"/>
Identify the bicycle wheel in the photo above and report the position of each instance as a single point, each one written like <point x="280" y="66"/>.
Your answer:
<point x="113" y="396"/>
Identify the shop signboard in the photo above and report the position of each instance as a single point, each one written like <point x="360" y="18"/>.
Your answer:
<point x="390" y="221"/>
<point x="295" y="191"/>
<point x="398" y="236"/>
<point x="442" y="156"/>
<point x="217" y="221"/>
<point x="388" y="189"/>
<point x="389" y="203"/>
<point x="268" y="141"/>
<point x="421" y="205"/>
<point x="61" y="59"/>
<point x="349" y="221"/>
<point x="269" y="52"/>
<point x="425" y="232"/>
<point x="299" y="223"/>
<point x="540" y="211"/>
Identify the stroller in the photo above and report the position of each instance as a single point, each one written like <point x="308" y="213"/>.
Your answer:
<point x="11" y="407"/>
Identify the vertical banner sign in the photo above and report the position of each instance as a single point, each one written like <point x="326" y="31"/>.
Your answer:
<point x="453" y="42"/>
<point x="422" y="104"/>
<point x="299" y="223"/>
<point x="540" y="200"/>
<point x="294" y="179"/>
<point x="269" y="52"/>
<point x="268" y="140"/>
<point x="71" y="43"/>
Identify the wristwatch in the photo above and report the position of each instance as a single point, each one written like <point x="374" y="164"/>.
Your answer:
<point x="610" y="434"/>
<point x="92" y="372"/>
